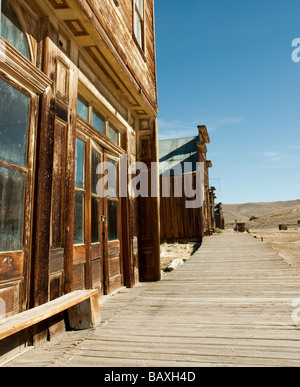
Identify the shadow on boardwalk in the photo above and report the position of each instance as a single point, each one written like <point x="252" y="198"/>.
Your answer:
<point x="229" y="305"/>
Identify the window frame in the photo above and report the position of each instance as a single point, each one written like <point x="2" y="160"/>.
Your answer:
<point x="29" y="54"/>
<point x="92" y="109"/>
<point x="137" y="12"/>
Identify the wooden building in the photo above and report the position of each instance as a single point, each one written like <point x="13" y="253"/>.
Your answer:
<point x="78" y="87"/>
<point x="179" y="223"/>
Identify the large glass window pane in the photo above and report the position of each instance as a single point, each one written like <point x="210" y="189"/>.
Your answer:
<point x="113" y="220"/>
<point x="95" y="220"/>
<point x="95" y="176"/>
<point x="12" y="194"/>
<point x="83" y="109"/>
<point x="14" y="122"/>
<point x="79" y="164"/>
<point x="79" y="219"/>
<point x="98" y="122"/>
<point x="11" y="29"/>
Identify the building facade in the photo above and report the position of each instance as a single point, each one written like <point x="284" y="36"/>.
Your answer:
<point x="184" y="217"/>
<point x="78" y="88"/>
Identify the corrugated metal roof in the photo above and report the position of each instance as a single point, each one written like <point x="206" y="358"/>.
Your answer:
<point x="176" y="152"/>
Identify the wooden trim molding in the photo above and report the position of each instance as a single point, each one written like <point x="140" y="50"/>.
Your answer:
<point x="100" y="138"/>
<point x="15" y="64"/>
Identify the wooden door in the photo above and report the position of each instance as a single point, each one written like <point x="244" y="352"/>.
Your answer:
<point x="96" y="227"/>
<point x="17" y="132"/>
<point x="89" y="245"/>
<point x="97" y="235"/>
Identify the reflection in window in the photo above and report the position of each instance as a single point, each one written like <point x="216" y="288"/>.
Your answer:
<point x="11" y="29"/>
<point x="14" y="121"/>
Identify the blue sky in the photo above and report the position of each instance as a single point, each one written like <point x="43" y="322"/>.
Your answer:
<point x="228" y="65"/>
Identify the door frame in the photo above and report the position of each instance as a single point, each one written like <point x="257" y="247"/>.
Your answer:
<point x="111" y="245"/>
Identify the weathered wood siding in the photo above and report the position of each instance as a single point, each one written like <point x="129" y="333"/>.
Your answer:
<point x="118" y="24"/>
<point x="179" y="223"/>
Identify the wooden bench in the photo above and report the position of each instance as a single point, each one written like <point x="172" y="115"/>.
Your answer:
<point x="82" y="307"/>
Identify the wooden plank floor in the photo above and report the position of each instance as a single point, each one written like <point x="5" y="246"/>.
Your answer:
<point x="229" y="305"/>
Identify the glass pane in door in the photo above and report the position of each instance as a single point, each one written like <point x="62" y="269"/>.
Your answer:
<point x="79" y="164"/>
<point x="14" y="122"/>
<point x="95" y="176"/>
<point x="12" y="198"/>
<point x="113" y="220"/>
<point x="79" y="219"/>
<point x="95" y="220"/>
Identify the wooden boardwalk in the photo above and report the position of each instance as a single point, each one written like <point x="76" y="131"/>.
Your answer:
<point x="229" y="305"/>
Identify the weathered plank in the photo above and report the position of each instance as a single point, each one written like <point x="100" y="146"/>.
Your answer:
<point x="229" y="305"/>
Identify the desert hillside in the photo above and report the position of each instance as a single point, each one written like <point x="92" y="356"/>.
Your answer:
<point x="268" y="215"/>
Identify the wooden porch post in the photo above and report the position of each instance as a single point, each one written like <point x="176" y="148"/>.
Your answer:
<point x="149" y="210"/>
<point x="43" y="181"/>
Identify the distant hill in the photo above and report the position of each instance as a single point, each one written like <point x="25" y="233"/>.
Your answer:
<point x="269" y="214"/>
